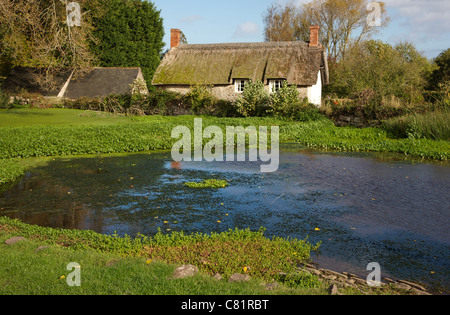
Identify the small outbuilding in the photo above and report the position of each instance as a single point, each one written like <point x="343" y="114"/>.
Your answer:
<point x="227" y="68"/>
<point x="96" y="83"/>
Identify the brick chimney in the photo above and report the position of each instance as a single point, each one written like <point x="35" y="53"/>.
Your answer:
<point x="314" y="36"/>
<point x="175" y="37"/>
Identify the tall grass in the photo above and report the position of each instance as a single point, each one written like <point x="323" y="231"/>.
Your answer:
<point x="432" y="125"/>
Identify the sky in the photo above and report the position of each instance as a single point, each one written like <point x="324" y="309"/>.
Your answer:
<point x="425" y="23"/>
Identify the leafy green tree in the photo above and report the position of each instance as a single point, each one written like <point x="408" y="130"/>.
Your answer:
<point x="130" y="34"/>
<point x="399" y="71"/>
<point x="441" y="74"/>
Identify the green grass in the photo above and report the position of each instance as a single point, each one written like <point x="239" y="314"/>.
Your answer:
<point x="57" y="117"/>
<point x="125" y="262"/>
<point x="432" y="125"/>
<point x="60" y="132"/>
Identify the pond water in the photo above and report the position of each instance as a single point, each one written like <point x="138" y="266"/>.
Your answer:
<point x="363" y="209"/>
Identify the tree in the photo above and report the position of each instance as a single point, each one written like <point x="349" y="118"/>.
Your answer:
<point x="282" y="24"/>
<point x="36" y="34"/>
<point x="441" y="74"/>
<point x="341" y="22"/>
<point x="399" y="71"/>
<point x="130" y="34"/>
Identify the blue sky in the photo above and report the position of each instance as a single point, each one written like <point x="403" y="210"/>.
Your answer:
<point x="425" y="23"/>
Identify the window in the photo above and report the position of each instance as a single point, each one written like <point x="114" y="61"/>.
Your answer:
<point x="239" y="85"/>
<point x="275" y="85"/>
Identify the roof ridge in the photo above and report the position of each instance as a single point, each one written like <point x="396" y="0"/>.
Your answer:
<point x="249" y="45"/>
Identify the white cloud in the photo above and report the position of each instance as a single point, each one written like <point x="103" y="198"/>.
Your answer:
<point x="423" y="22"/>
<point x="246" y="29"/>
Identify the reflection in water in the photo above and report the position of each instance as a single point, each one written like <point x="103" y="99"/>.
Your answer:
<point x="363" y="210"/>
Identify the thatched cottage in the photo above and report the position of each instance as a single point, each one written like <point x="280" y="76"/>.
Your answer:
<point x="228" y="67"/>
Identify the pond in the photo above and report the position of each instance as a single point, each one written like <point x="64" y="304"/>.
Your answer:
<point x="362" y="208"/>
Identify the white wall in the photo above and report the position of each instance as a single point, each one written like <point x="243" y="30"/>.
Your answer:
<point x="315" y="92"/>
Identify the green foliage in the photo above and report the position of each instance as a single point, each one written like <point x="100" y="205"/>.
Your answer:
<point x="254" y="101"/>
<point x="10" y="170"/>
<point x="208" y="183"/>
<point x="285" y="100"/>
<point x="130" y="34"/>
<point x="433" y="125"/>
<point x="324" y="135"/>
<point x="399" y="71"/>
<point x="301" y="279"/>
<point x="233" y="251"/>
<point x="199" y="98"/>
<point x="441" y="74"/>
<point x="4" y="100"/>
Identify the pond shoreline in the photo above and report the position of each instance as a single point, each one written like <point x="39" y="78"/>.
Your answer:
<point x="344" y="283"/>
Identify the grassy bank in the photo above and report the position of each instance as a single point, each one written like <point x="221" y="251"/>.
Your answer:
<point x="111" y="265"/>
<point x="145" y="265"/>
<point x="60" y="132"/>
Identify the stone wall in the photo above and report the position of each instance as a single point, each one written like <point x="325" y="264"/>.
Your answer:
<point x="352" y="120"/>
<point x="223" y="92"/>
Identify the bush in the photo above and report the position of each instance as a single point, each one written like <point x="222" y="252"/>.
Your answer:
<point x="285" y="101"/>
<point x="254" y="101"/>
<point x="199" y="98"/>
<point x="4" y="100"/>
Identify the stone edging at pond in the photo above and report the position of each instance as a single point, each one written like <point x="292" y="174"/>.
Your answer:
<point x="342" y="280"/>
<point x="336" y="281"/>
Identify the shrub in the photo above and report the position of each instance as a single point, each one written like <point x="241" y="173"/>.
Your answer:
<point x="285" y="101"/>
<point x="199" y="98"/>
<point x="164" y="103"/>
<point x="4" y="100"/>
<point x="254" y="101"/>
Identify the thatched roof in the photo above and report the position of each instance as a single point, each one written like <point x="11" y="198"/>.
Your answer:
<point x="219" y="64"/>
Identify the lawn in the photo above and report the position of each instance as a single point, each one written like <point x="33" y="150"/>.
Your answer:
<point x="57" y="117"/>
<point x="38" y="265"/>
